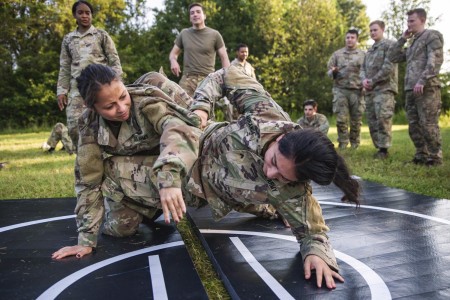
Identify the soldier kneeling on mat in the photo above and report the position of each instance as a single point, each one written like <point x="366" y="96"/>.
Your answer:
<point x="136" y="144"/>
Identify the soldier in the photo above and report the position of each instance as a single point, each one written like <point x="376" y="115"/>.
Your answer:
<point x="199" y="44"/>
<point x="312" y="119"/>
<point x="241" y="60"/>
<point x="424" y="57"/>
<point x="59" y="133"/>
<point x="379" y="79"/>
<point x="80" y="48"/>
<point x="348" y="102"/>
<point x="264" y="157"/>
<point x="136" y="144"/>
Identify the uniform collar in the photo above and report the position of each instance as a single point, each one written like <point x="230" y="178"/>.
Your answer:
<point x="91" y="30"/>
<point x="106" y="136"/>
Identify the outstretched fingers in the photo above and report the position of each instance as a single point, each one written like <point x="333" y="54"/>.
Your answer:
<point x="172" y="203"/>
<point x="78" y="251"/>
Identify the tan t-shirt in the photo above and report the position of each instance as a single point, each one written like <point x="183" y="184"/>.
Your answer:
<point x="199" y="49"/>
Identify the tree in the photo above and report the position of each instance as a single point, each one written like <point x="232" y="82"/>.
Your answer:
<point x="355" y="16"/>
<point x="30" y="55"/>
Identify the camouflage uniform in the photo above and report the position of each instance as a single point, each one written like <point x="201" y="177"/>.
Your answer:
<point x="424" y="57"/>
<point x="154" y="149"/>
<point x="348" y="100"/>
<point x="229" y="172"/>
<point x="230" y="111"/>
<point x="380" y="103"/>
<point x="77" y="52"/>
<point x="245" y="67"/>
<point x="318" y="121"/>
<point x="189" y="82"/>
<point x="60" y="133"/>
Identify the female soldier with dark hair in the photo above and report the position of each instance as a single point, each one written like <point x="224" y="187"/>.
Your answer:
<point x="264" y="157"/>
<point x="136" y="143"/>
<point x="84" y="46"/>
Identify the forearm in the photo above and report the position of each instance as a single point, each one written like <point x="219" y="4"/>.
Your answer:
<point x="178" y="152"/>
<point x="434" y="62"/>
<point x="384" y="73"/>
<point x="396" y="52"/>
<point x="210" y="90"/>
<point x="89" y="214"/>
<point x="305" y="217"/>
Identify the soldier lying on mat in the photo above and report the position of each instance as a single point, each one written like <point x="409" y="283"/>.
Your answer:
<point x="136" y="143"/>
<point x="264" y="157"/>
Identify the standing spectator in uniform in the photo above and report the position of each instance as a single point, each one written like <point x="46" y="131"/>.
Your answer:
<point x="424" y="56"/>
<point x="312" y="118"/>
<point x="199" y="44"/>
<point x="241" y="60"/>
<point x="348" y="101"/>
<point x="59" y="133"/>
<point x="379" y="79"/>
<point x="80" y="48"/>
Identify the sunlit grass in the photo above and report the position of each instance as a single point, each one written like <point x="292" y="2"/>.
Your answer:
<point x="396" y="170"/>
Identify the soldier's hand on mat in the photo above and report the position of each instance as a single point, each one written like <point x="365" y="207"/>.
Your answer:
<point x="62" y="101"/>
<point x="314" y="262"/>
<point x="418" y="89"/>
<point x="78" y="251"/>
<point x="203" y="115"/>
<point x="172" y="202"/>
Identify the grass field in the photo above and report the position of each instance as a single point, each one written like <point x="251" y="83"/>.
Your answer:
<point x="30" y="173"/>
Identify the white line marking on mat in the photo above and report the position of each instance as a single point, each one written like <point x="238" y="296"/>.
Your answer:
<point x="157" y="277"/>
<point x="56" y="289"/>
<point x="405" y="212"/>
<point x="15" y="226"/>
<point x="271" y="282"/>
<point x="378" y="288"/>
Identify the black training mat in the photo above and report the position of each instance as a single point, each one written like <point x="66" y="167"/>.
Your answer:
<point x="395" y="246"/>
<point x="153" y="264"/>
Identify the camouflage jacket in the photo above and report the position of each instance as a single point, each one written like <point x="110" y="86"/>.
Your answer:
<point x="424" y="56"/>
<point x="319" y="121"/>
<point x="379" y="70"/>
<point x="349" y="64"/>
<point x="78" y="51"/>
<point x="247" y="68"/>
<point x="230" y="172"/>
<point x="157" y="126"/>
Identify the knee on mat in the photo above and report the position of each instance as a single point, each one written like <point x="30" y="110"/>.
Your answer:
<point x="120" y="229"/>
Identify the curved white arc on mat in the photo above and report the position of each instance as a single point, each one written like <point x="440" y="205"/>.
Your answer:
<point x="378" y="288"/>
<point x="57" y="288"/>
<point x="271" y="282"/>
<point x="399" y="211"/>
<point x="15" y="226"/>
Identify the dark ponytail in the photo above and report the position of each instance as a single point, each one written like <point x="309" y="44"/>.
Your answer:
<point x="316" y="159"/>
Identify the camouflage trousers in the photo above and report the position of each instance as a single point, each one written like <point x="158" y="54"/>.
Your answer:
<point x="348" y="105"/>
<point x="189" y="83"/>
<point x="130" y="195"/>
<point x="74" y="109"/>
<point x="423" y="118"/>
<point x="60" y="133"/>
<point x="380" y="111"/>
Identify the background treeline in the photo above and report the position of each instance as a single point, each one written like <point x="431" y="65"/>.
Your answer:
<point x="290" y="43"/>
